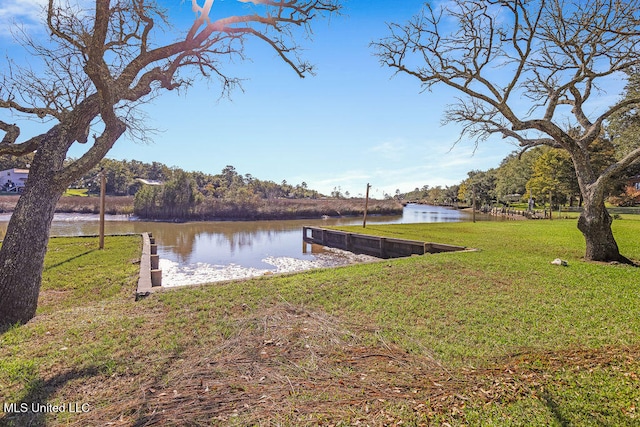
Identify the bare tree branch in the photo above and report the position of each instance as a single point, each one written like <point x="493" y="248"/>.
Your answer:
<point x="102" y="60"/>
<point x="531" y="71"/>
<point x="12" y="133"/>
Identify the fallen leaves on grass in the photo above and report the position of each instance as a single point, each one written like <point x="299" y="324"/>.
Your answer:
<point x="289" y="365"/>
<point x="296" y="365"/>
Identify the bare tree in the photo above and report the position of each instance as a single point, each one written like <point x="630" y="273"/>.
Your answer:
<point x="98" y="65"/>
<point x="534" y="71"/>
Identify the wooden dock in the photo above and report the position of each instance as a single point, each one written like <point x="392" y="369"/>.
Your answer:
<point x="381" y="247"/>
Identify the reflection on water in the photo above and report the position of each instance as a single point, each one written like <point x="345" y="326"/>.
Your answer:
<point x="199" y="252"/>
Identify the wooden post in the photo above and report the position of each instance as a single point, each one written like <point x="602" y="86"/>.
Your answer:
<point x="550" y="207"/>
<point x="473" y="204"/>
<point x="366" y="206"/>
<point x="103" y="186"/>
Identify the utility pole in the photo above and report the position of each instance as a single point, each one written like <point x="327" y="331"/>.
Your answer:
<point x="103" y="187"/>
<point x="366" y="206"/>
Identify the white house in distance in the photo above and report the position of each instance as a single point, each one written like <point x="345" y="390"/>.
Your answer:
<point x="13" y="180"/>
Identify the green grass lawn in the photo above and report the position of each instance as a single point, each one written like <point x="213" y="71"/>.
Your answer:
<point x="498" y="336"/>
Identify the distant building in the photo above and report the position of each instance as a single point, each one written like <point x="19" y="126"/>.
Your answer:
<point x="149" y="181"/>
<point x="13" y="180"/>
<point x="634" y="183"/>
<point x="512" y="198"/>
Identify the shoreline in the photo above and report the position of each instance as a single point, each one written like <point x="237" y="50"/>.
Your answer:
<point x="224" y="210"/>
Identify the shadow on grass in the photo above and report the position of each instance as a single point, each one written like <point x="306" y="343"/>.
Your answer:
<point x="70" y="259"/>
<point x="32" y="409"/>
<point x="555" y="410"/>
<point x="7" y="327"/>
<point x="627" y="261"/>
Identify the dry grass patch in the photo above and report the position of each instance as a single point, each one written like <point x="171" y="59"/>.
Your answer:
<point x="282" y="364"/>
<point x="291" y="365"/>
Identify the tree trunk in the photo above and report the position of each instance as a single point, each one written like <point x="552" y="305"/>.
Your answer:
<point x="22" y="253"/>
<point x="595" y="225"/>
<point x="595" y="221"/>
<point x="25" y="244"/>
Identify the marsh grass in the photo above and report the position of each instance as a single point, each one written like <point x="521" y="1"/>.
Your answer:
<point x="494" y="337"/>
<point x="74" y="202"/>
<point x="78" y="201"/>
<point x="114" y="205"/>
<point x="271" y="209"/>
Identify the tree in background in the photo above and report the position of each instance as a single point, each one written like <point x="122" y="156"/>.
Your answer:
<point x="531" y="71"/>
<point x="623" y="132"/>
<point x="479" y="185"/>
<point x="147" y="201"/>
<point x="624" y="126"/>
<point x="98" y="63"/>
<point x="513" y="173"/>
<point x="451" y="194"/>
<point x="553" y="178"/>
<point x="118" y="177"/>
<point x="179" y="196"/>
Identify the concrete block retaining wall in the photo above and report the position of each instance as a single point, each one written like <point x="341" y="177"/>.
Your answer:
<point x="150" y="274"/>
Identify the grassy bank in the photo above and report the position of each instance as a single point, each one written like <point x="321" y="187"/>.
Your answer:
<point x="494" y="337"/>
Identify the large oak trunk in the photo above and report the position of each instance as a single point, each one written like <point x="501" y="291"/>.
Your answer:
<point x="22" y="254"/>
<point x="595" y="221"/>
<point x="25" y="244"/>
<point x="595" y="225"/>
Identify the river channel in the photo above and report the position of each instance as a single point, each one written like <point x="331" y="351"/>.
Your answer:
<point x="201" y="252"/>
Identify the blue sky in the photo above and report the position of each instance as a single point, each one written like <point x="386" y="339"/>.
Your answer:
<point x="351" y="124"/>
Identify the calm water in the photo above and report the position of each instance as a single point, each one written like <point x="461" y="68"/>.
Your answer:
<point x="199" y="252"/>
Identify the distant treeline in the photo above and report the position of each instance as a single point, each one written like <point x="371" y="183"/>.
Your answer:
<point x="186" y="195"/>
<point x="189" y="195"/>
<point x="231" y="196"/>
<point x="122" y="180"/>
<point x="543" y="173"/>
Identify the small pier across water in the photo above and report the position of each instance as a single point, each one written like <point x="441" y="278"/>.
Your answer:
<point x="381" y="247"/>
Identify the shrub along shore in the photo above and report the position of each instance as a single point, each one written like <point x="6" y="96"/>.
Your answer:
<point x="494" y="337"/>
<point x="213" y="209"/>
